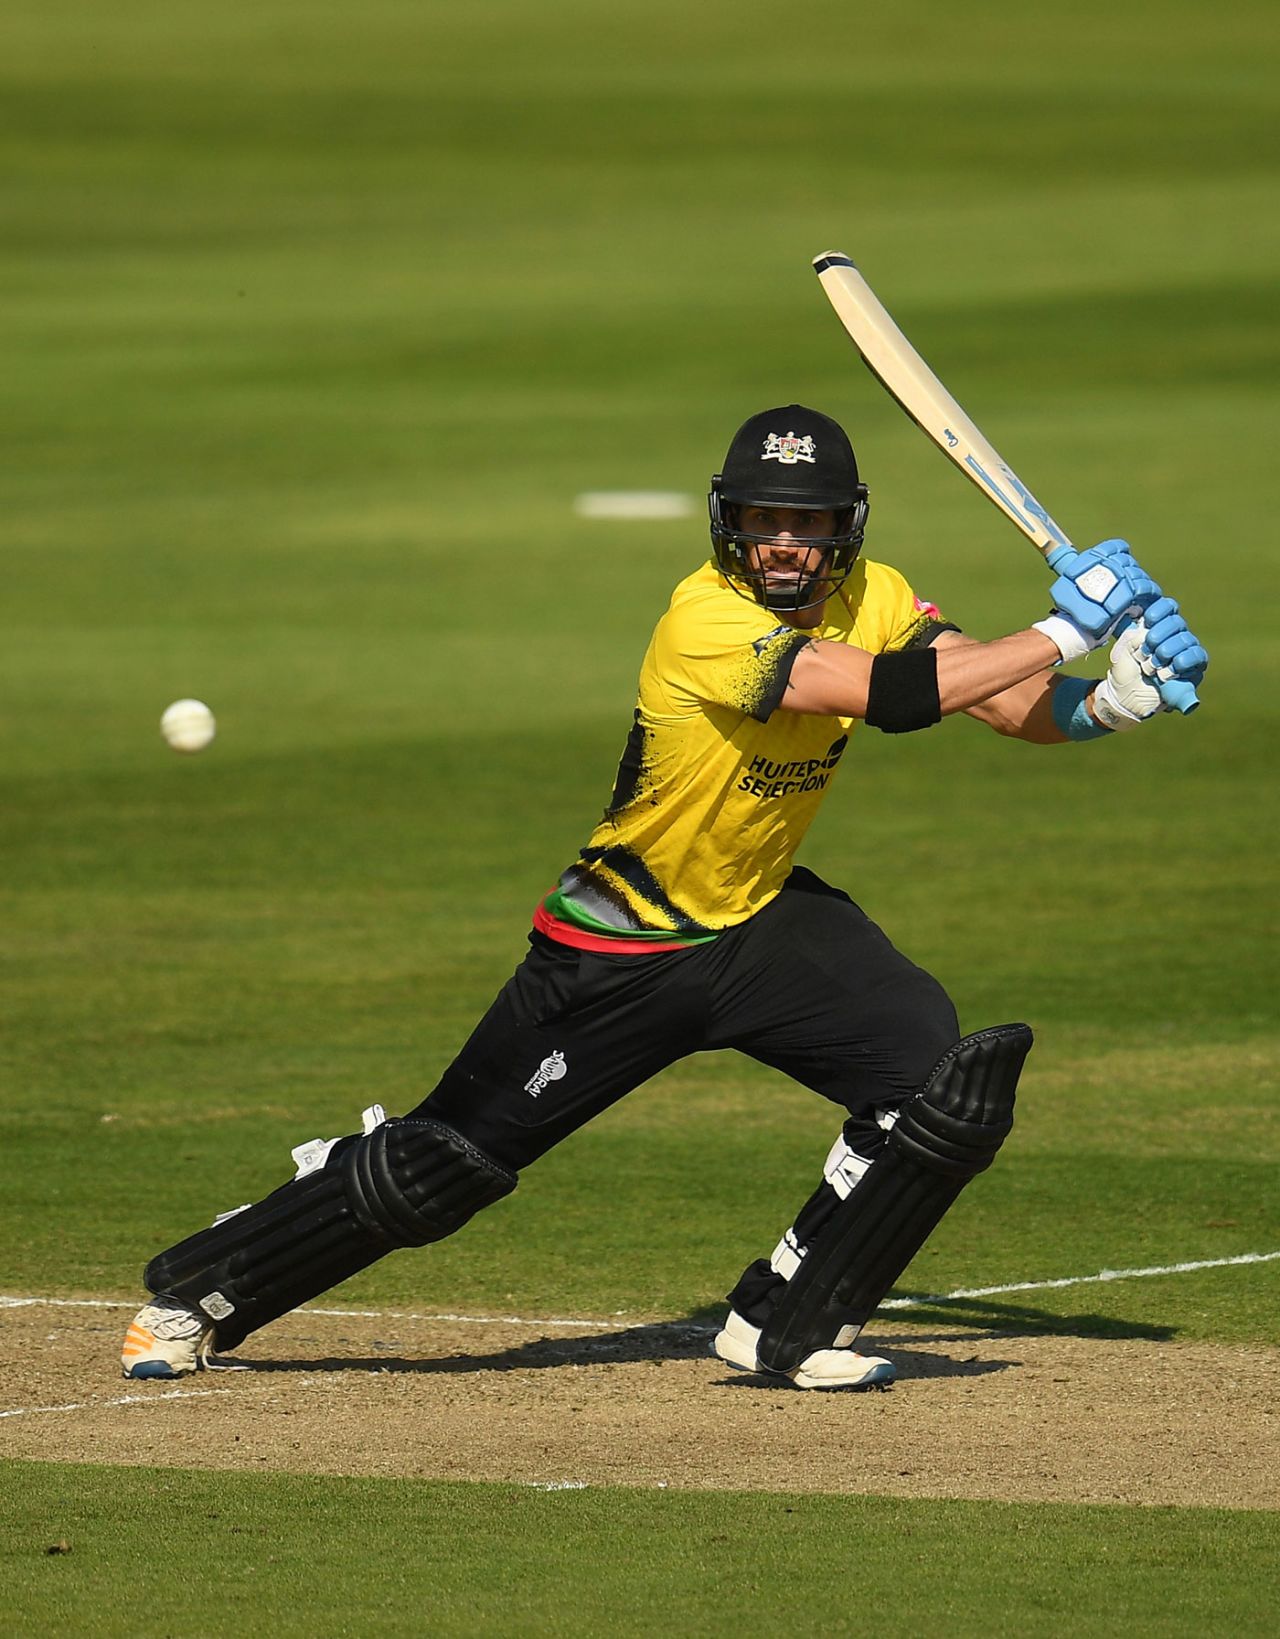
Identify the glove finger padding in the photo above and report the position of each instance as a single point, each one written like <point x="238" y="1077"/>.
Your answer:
<point x="1160" y="610"/>
<point x="1169" y="647"/>
<point x="1161" y="634"/>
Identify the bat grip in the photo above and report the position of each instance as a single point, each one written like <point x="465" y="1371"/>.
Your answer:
<point x="1179" y="695"/>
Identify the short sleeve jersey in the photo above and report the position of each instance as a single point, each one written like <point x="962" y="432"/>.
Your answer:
<point x="717" y="787"/>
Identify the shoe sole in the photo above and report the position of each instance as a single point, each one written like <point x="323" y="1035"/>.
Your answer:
<point x="142" y="1370"/>
<point x="728" y="1349"/>
<point x="879" y="1377"/>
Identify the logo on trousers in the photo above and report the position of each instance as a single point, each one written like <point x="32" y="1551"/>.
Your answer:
<point x="551" y="1069"/>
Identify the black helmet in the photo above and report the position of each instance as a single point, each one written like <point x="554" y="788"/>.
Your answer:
<point x="789" y="457"/>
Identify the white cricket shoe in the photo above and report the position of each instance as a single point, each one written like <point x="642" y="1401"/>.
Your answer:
<point x="824" y="1369"/>
<point x="166" y="1339"/>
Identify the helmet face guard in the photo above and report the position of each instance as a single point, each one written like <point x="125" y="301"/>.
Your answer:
<point x="825" y="570"/>
<point x="793" y="458"/>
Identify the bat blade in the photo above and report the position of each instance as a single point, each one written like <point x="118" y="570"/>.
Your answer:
<point x="906" y="377"/>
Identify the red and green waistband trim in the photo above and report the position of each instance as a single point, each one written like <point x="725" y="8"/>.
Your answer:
<point x="559" y="918"/>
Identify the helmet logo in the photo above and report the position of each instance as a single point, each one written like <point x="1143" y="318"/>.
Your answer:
<point x="789" y="449"/>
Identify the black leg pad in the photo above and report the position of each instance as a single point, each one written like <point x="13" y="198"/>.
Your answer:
<point x="404" y="1184"/>
<point x="946" y="1134"/>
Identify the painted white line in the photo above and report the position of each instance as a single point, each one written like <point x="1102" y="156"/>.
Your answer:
<point x="120" y="1400"/>
<point x="620" y="1320"/>
<point x="67" y="1303"/>
<point x="1101" y="1277"/>
<point x="555" y="1321"/>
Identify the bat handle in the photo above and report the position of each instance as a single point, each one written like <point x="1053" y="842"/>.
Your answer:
<point x="1179" y="695"/>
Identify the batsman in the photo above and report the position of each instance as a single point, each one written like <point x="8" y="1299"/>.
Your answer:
<point x="685" y="925"/>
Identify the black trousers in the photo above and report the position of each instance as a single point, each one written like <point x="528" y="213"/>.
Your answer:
<point x="809" y="986"/>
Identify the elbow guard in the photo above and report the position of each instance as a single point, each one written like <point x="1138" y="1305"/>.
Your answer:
<point x="903" y="694"/>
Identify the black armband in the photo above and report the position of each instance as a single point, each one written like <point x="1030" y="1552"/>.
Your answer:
<point x="904" y="691"/>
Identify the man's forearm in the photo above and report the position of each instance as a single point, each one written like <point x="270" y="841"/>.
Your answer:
<point x="1023" y="712"/>
<point x="973" y="673"/>
<point x="832" y="679"/>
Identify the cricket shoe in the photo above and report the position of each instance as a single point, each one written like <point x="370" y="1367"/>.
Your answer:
<point x="166" y="1339"/>
<point x="736" y="1344"/>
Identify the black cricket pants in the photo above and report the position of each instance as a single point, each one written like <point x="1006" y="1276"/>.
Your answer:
<point x="810" y="986"/>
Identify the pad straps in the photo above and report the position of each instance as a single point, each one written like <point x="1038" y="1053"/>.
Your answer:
<point x="946" y="1134"/>
<point x="403" y="1184"/>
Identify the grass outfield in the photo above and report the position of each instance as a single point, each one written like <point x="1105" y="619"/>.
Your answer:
<point x="393" y="1557"/>
<point x="314" y="326"/>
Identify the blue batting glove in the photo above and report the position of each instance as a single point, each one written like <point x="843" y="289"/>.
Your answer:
<point x="1174" y="651"/>
<point x="1094" y="589"/>
<point x="1170" y="650"/>
<point x="1160" y="610"/>
<point x="1163" y="622"/>
<point x="1145" y="590"/>
<point x="1181" y="659"/>
<point x="1095" y="595"/>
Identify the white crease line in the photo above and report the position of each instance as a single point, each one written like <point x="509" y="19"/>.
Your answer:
<point x="1102" y="1276"/>
<point x="120" y="1400"/>
<point x="350" y="1314"/>
<point x="307" y="1380"/>
<point x="68" y="1303"/>
<point x="620" y="1319"/>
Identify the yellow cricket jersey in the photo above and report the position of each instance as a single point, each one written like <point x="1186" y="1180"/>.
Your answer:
<point x="717" y="787"/>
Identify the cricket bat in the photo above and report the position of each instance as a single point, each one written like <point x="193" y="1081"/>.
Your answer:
<point x="906" y="377"/>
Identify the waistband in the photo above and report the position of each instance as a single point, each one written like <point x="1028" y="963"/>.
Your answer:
<point x="599" y="939"/>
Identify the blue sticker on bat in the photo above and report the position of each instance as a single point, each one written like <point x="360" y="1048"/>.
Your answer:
<point x="1030" y="507"/>
<point x="1033" y="506"/>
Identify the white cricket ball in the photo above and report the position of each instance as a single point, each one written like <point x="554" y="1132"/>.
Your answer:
<point x="188" y="725"/>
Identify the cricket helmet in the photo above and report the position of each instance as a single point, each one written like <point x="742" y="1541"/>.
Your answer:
<point x="788" y="457"/>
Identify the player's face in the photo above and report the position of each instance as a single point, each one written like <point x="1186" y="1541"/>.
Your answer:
<point x="785" y="558"/>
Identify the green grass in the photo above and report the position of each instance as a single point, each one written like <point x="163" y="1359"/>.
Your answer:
<point x="314" y="323"/>
<point x="158" y="1552"/>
